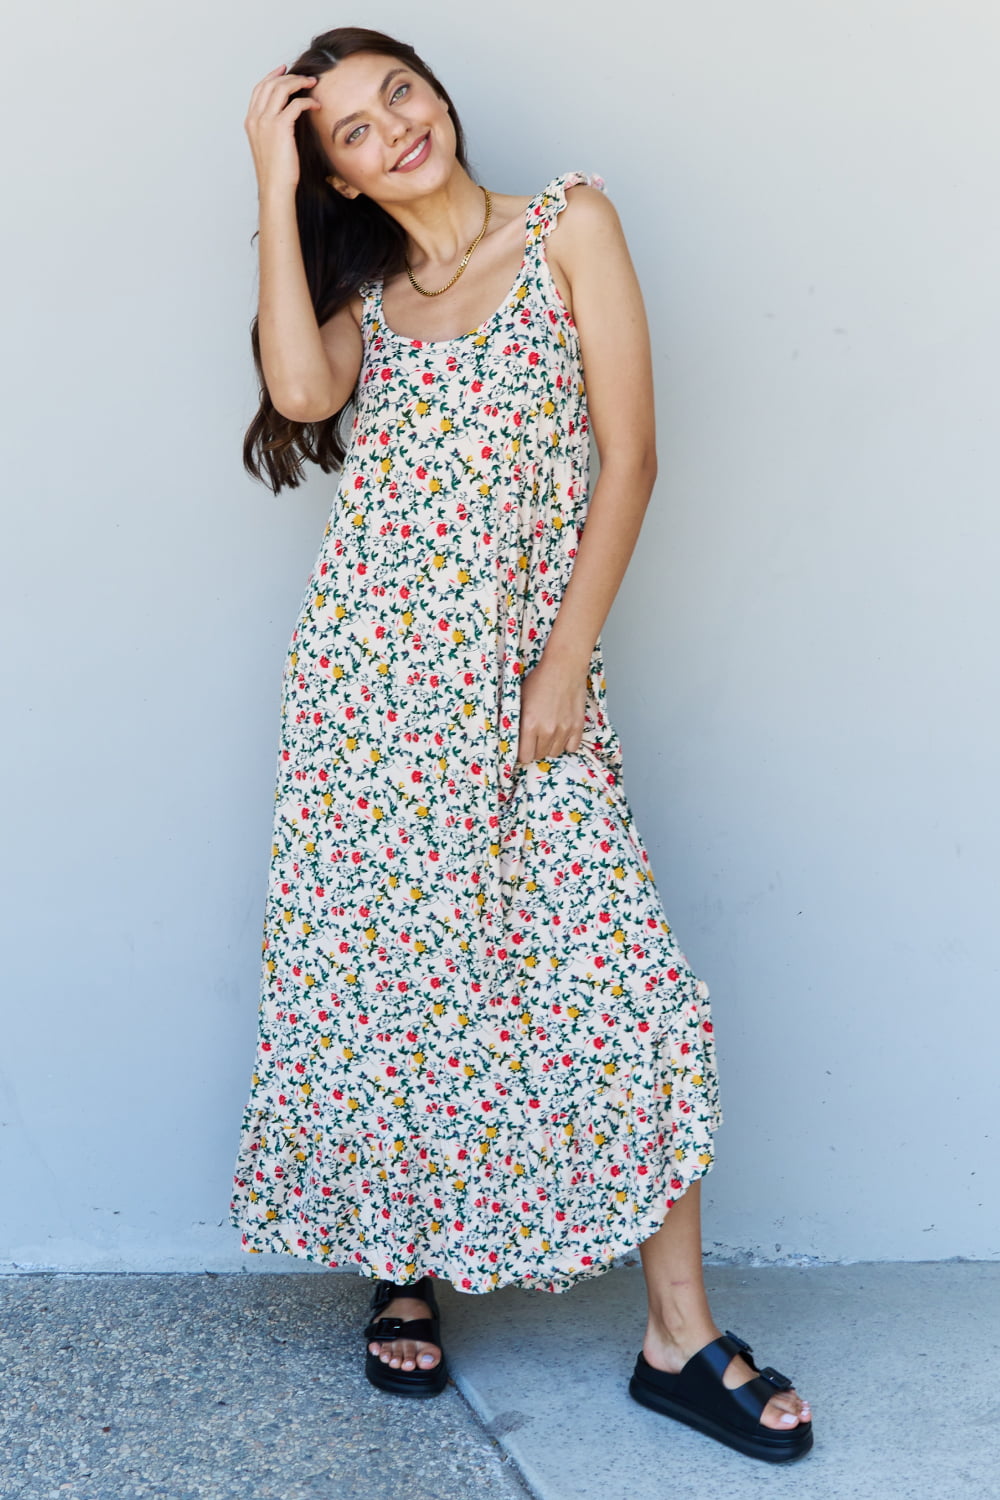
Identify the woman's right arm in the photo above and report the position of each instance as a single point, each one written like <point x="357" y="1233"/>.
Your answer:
<point x="310" y="372"/>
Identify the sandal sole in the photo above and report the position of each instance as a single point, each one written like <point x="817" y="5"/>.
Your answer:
<point x="406" y="1382"/>
<point x="783" y="1448"/>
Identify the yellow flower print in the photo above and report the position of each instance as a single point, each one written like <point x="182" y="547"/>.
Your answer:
<point x="408" y="843"/>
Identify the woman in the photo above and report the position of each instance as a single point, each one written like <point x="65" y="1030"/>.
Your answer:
<point x="481" y="1054"/>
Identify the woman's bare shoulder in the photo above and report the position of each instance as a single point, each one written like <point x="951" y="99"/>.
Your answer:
<point x="588" y="209"/>
<point x="587" y="232"/>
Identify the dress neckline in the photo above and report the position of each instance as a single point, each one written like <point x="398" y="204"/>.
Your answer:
<point x="460" y="338"/>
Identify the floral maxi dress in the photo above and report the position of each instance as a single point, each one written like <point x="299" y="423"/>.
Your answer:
<point x="481" y="1053"/>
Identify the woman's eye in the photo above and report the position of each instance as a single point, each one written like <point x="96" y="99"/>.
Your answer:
<point x="395" y="94"/>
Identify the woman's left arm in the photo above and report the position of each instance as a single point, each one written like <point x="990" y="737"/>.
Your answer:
<point x="611" y="324"/>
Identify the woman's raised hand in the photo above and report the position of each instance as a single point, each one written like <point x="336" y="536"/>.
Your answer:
<point x="270" y="126"/>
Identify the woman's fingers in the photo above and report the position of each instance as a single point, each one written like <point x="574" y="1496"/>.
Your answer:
<point x="261" y="86"/>
<point x="275" y="89"/>
<point x="270" y="125"/>
<point x="271" y="100"/>
<point x="294" y="108"/>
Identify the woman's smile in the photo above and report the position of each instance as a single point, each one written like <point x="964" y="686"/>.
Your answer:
<point x="416" y="156"/>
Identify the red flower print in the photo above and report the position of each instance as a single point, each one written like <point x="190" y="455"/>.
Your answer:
<point x="458" y="927"/>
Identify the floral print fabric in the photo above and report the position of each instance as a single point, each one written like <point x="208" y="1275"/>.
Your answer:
<point x="481" y="1053"/>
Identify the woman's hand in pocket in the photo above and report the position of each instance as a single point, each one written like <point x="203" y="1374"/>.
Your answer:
<point x="553" y="710"/>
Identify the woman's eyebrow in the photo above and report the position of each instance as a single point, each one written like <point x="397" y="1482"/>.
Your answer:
<point x="357" y="113"/>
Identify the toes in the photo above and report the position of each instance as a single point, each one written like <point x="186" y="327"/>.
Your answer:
<point x="785" y="1411"/>
<point x="405" y="1356"/>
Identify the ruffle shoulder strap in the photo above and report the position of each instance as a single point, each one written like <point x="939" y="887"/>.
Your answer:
<point x="547" y="205"/>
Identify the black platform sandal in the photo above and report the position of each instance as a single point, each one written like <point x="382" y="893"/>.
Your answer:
<point x="697" y="1396"/>
<point x="416" y="1382"/>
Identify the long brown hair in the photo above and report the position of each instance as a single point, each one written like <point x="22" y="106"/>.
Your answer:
<point x="345" y="241"/>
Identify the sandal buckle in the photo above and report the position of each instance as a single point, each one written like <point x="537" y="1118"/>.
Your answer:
<point x="776" y="1378"/>
<point x="737" y="1340"/>
<point x="387" y="1328"/>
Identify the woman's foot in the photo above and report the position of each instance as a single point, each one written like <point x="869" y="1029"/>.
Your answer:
<point x="669" y="1350"/>
<point x="680" y="1321"/>
<point x="406" y="1354"/>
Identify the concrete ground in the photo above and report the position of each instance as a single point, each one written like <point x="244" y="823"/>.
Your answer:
<point x="218" y="1387"/>
<point x="213" y="1387"/>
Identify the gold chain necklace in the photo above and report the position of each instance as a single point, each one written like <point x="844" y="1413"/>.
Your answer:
<point x="465" y="259"/>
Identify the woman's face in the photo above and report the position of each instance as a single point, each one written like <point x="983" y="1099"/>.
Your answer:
<point x="375" y="112"/>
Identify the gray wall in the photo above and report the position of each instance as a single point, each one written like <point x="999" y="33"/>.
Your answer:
<point x="801" y="658"/>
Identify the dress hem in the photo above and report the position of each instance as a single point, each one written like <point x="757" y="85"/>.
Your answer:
<point x="283" y="1236"/>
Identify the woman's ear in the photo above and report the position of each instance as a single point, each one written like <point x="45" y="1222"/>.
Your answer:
<point x="344" y="189"/>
